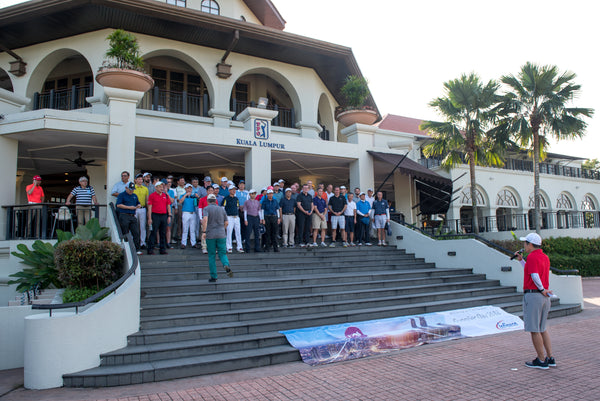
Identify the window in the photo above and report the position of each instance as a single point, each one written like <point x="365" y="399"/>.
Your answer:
<point x="180" y="3"/>
<point x="543" y="204"/>
<point x="210" y="6"/>
<point x="465" y="197"/>
<point x="588" y="203"/>
<point x="506" y="198"/>
<point x="563" y="202"/>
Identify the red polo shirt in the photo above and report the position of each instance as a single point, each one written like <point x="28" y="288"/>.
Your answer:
<point x="203" y="202"/>
<point x="537" y="262"/>
<point x="36" y="195"/>
<point x="159" y="202"/>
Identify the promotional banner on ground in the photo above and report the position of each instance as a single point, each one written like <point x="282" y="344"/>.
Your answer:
<point x="326" y="344"/>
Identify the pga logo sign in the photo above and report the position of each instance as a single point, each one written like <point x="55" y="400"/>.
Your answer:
<point x="261" y="129"/>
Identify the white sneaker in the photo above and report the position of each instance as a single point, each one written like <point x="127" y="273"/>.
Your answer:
<point x="332" y="245"/>
<point x="368" y="244"/>
<point x="204" y="251"/>
<point x="352" y="244"/>
<point x="139" y="252"/>
<point x="314" y="244"/>
<point x="345" y="245"/>
<point x="324" y="244"/>
<point x="240" y="251"/>
<point x="383" y="243"/>
<point x="230" y="251"/>
<point x="303" y="245"/>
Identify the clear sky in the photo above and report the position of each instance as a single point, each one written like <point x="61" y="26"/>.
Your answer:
<point x="408" y="49"/>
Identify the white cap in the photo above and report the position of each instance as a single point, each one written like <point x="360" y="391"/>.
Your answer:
<point x="232" y="187"/>
<point x="224" y="179"/>
<point x="187" y="185"/>
<point x="370" y="189"/>
<point x="215" y="186"/>
<point x="276" y="183"/>
<point x="532" y="238"/>
<point x="343" y="187"/>
<point x="269" y="191"/>
<point x="211" y="196"/>
<point x="252" y="191"/>
<point x="288" y="189"/>
<point x="146" y="174"/>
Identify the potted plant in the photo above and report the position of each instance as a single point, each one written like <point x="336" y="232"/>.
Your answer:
<point x="124" y="67"/>
<point x="355" y="92"/>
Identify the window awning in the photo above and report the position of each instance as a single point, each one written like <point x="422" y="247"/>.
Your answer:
<point x="434" y="190"/>
<point x="410" y="167"/>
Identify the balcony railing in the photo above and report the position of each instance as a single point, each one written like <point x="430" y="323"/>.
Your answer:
<point x="63" y="99"/>
<point x="527" y="165"/>
<point x="285" y="118"/>
<point x="175" y="102"/>
<point x="40" y="221"/>
<point x="550" y="220"/>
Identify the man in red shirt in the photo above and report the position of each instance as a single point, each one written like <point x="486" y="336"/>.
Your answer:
<point x="536" y="299"/>
<point x="35" y="195"/>
<point x="159" y="216"/>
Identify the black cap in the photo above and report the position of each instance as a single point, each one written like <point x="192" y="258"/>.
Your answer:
<point x="131" y="185"/>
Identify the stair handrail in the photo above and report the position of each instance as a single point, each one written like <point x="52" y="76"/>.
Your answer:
<point x="480" y="239"/>
<point x="111" y="288"/>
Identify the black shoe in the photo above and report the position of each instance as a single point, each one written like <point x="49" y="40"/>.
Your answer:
<point x="168" y="246"/>
<point x="551" y="361"/>
<point x="536" y="363"/>
<point x="229" y="271"/>
<point x="212" y="280"/>
<point x="257" y="250"/>
<point x="163" y="252"/>
<point x="150" y="252"/>
<point x="275" y="249"/>
<point x="143" y="247"/>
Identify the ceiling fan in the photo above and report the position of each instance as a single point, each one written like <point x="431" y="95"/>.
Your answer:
<point x="81" y="162"/>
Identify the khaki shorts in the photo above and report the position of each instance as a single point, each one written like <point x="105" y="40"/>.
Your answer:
<point x="317" y="223"/>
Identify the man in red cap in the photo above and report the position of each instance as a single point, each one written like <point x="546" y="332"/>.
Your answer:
<point x="35" y="195"/>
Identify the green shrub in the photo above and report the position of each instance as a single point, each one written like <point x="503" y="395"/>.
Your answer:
<point x="88" y="264"/>
<point x="588" y="265"/>
<point x="73" y="294"/>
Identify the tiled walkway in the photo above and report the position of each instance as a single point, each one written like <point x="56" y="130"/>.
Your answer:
<point x="484" y="368"/>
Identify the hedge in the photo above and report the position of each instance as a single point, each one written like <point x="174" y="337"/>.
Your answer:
<point x="588" y="265"/>
<point x="88" y="264"/>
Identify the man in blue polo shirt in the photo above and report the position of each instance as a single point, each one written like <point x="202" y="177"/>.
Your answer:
<point x="381" y="217"/>
<point x="271" y="217"/>
<point x="128" y="203"/>
<point x="188" y="204"/>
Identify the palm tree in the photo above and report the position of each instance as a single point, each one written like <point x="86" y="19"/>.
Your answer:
<point x="468" y="110"/>
<point x="534" y="107"/>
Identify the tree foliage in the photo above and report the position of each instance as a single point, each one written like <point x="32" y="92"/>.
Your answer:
<point x="124" y="51"/>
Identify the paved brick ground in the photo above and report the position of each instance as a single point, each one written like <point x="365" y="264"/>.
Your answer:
<point x="484" y="368"/>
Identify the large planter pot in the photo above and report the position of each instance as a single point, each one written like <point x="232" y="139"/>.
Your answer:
<point x="125" y="79"/>
<point x="360" y="116"/>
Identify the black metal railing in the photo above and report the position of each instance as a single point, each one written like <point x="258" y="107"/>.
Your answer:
<point x="111" y="288"/>
<point x="485" y="241"/>
<point x="527" y="165"/>
<point x="41" y="220"/>
<point x="285" y="117"/>
<point x="550" y="220"/>
<point x="175" y="102"/>
<point x="63" y="99"/>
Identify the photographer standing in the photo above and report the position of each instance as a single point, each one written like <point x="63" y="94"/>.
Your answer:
<point x="536" y="299"/>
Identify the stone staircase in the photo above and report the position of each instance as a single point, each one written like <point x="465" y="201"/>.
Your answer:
<point x="190" y="327"/>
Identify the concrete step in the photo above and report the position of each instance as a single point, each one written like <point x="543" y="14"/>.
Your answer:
<point x="258" y="299"/>
<point x="293" y="280"/>
<point x="220" y="293"/>
<point x="168" y="369"/>
<point x="199" y="272"/>
<point x="182" y="333"/>
<point x="316" y="307"/>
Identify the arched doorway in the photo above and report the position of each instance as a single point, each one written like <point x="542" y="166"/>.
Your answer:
<point x="466" y="211"/>
<point x="506" y="216"/>
<point x="178" y="88"/>
<point x="67" y="85"/>
<point x="589" y="206"/>
<point x="545" y="222"/>
<point x="564" y="215"/>
<point x="270" y="85"/>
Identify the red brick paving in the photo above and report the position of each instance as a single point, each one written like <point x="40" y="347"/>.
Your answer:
<point x="483" y="368"/>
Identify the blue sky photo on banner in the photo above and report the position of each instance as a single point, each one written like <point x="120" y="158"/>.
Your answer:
<point x="326" y="344"/>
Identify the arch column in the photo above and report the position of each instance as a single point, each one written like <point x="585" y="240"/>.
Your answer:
<point x="362" y="172"/>
<point x="120" y="152"/>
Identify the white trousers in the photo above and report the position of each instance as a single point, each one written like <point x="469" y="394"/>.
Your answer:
<point x="234" y="225"/>
<point x="188" y="226"/>
<point x="141" y="215"/>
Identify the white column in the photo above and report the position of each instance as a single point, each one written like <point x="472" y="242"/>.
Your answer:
<point x="405" y="196"/>
<point x="8" y="166"/>
<point x="258" y="168"/>
<point x="120" y="154"/>
<point x="361" y="170"/>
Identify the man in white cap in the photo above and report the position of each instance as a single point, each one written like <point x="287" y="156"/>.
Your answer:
<point x="536" y="299"/>
<point x="288" y="218"/>
<point x="148" y="182"/>
<point x="231" y="203"/>
<point x="271" y="218"/>
<point x="214" y="224"/>
<point x="252" y="211"/>
<point x="187" y="204"/>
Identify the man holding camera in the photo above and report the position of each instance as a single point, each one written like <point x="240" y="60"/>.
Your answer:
<point x="536" y="299"/>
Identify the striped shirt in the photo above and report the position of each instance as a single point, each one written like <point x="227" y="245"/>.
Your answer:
<point x="83" y="196"/>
